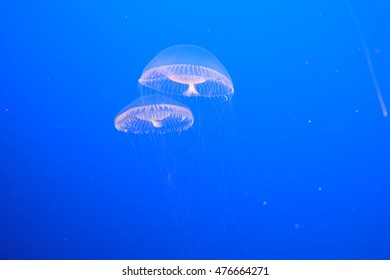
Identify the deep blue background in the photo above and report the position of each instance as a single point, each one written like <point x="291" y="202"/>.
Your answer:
<point x="296" y="166"/>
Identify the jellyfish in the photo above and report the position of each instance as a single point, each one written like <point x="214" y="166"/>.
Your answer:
<point x="187" y="70"/>
<point x="154" y="114"/>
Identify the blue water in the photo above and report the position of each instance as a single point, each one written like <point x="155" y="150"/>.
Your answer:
<point x="295" y="166"/>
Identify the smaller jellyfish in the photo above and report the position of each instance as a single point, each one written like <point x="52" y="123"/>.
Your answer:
<point x="154" y="114"/>
<point x="187" y="70"/>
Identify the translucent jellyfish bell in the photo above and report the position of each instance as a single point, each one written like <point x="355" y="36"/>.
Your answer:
<point x="154" y="114"/>
<point x="187" y="70"/>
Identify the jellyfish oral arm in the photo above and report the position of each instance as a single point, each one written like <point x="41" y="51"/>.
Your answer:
<point x="156" y="123"/>
<point x="191" y="91"/>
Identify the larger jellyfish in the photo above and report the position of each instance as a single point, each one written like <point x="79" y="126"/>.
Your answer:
<point x="154" y="114"/>
<point x="187" y="70"/>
